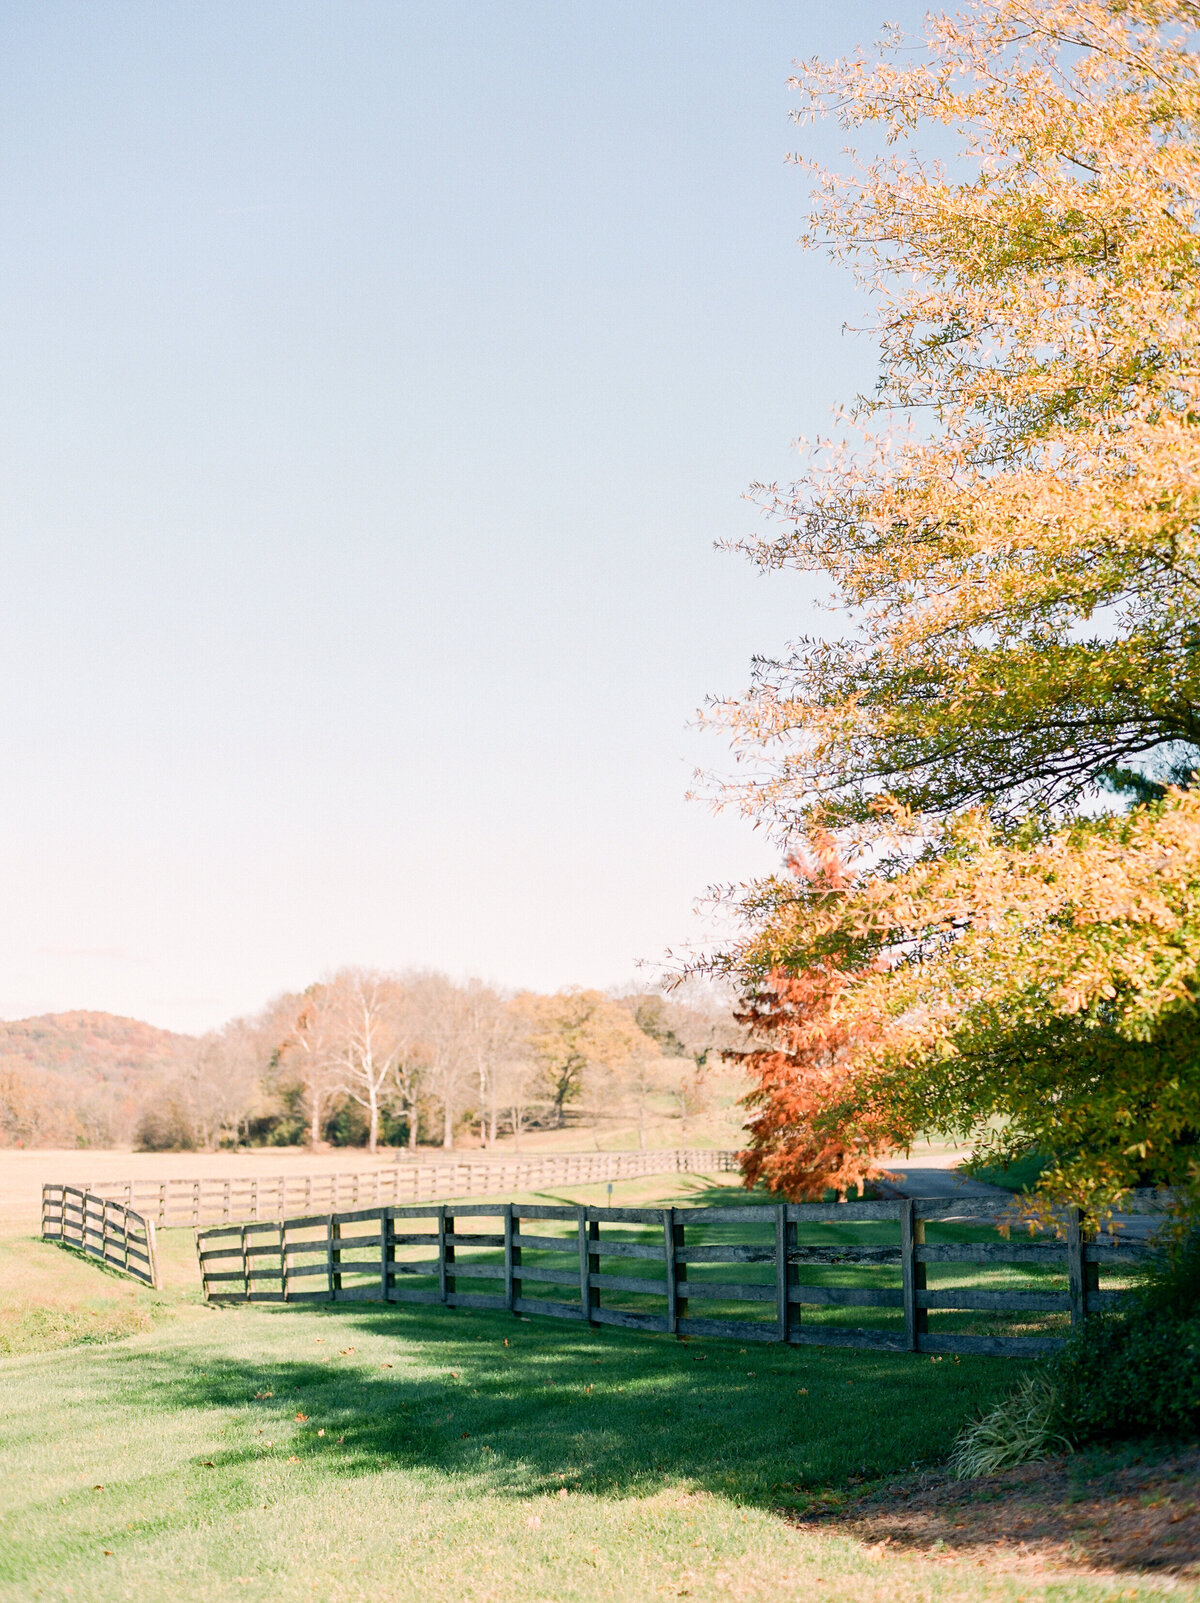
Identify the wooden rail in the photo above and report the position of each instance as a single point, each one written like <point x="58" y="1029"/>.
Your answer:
<point x="246" y="1197"/>
<point x="103" y="1229"/>
<point x="669" y="1269"/>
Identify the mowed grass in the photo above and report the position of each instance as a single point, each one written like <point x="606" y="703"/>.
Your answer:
<point x="364" y="1453"/>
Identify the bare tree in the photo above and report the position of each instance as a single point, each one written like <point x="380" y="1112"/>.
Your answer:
<point x="493" y="1034"/>
<point x="375" y="1029"/>
<point x="306" y="1032"/>
<point x="444" y="1031"/>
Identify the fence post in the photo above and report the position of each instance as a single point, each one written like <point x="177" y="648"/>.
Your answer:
<point x="283" y="1259"/>
<point x="199" y="1259"/>
<point x="586" y="1292"/>
<point x="152" y="1253"/>
<point x="781" y="1271"/>
<point x="387" y="1254"/>
<point x="334" y="1257"/>
<point x="445" y="1252"/>
<point x="1082" y="1276"/>
<point x="679" y="1233"/>
<point x="912" y="1236"/>
<point x="509" y="1256"/>
<point x="672" y="1276"/>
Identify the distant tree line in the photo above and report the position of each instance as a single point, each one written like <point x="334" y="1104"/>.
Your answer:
<point x="373" y="1058"/>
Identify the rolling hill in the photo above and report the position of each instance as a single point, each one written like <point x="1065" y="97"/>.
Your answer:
<point x="79" y="1079"/>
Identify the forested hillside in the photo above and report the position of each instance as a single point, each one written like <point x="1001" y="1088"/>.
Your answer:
<point x="82" y="1079"/>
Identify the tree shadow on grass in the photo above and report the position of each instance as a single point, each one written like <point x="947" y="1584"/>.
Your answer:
<point x="526" y="1407"/>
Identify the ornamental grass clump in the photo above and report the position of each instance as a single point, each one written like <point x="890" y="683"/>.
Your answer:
<point x="1022" y="1427"/>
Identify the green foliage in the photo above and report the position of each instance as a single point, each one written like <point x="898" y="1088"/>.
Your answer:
<point x="1126" y="1375"/>
<point x="1131" y="1373"/>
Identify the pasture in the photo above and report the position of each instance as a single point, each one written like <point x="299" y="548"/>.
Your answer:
<point x="157" y="1449"/>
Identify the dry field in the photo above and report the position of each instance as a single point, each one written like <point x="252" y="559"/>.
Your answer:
<point x="24" y="1172"/>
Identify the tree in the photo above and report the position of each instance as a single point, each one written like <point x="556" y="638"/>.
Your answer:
<point x="694" y="1028"/>
<point x="444" y="1044"/>
<point x="1019" y="566"/>
<point x="1023" y="565"/>
<point x="573" y="1032"/>
<point x="495" y="1042"/>
<point x="809" y="1128"/>
<point x="307" y="1034"/>
<point x="220" y="1087"/>
<point x="375" y="1027"/>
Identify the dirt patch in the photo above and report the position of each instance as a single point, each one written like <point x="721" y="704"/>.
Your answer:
<point x="1089" y="1514"/>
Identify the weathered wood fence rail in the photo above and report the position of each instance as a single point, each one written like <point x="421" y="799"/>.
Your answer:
<point x="104" y="1229"/>
<point x="648" y="1268"/>
<point x="230" y="1198"/>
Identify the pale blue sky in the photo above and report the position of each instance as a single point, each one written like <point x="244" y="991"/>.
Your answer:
<point x="376" y="378"/>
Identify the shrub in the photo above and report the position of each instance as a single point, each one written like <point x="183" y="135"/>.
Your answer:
<point x="1135" y="1372"/>
<point x="1131" y="1374"/>
<point x="165" y="1127"/>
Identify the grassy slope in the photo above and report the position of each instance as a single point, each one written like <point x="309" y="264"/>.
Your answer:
<point x="464" y="1456"/>
<point x="51" y="1297"/>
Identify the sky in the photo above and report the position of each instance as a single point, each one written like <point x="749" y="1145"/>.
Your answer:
<point x="376" y="381"/>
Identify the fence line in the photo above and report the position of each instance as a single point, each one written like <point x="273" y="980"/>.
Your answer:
<point x="102" y="1228"/>
<point x="228" y="1199"/>
<point x="670" y="1256"/>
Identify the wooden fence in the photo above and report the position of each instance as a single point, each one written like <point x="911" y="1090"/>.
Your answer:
<point x="670" y="1269"/>
<point x="102" y="1228"/>
<point x="236" y="1197"/>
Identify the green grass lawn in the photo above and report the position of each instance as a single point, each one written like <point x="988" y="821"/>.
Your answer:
<point x="365" y="1453"/>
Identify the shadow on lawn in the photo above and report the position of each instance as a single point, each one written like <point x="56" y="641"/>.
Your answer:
<point x="526" y="1407"/>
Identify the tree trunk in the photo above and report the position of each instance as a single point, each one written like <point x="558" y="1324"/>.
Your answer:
<point x="314" y="1130"/>
<point x="412" y="1125"/>
<point x="447" y="1128"/>
<point x="373" y="1132"/>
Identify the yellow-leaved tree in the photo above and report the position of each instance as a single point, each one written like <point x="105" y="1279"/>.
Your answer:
<point x="1011" y="526"/>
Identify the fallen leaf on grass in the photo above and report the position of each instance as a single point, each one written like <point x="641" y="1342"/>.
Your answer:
<point x="108" y="1552"/>
<point x="321" y="1432"/>
<point x="261" y="1396"/>
<point x="562" y="1491"/>
<point x="301" y="1418"/>
<point x="534" y="1522"/>
<point x="97" y="1488"/>
<point x="293" y="1459"/>
<point x="343" y="1351"/>
<point x="208" y="1464"/>
<point x="387" y="1366"/>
